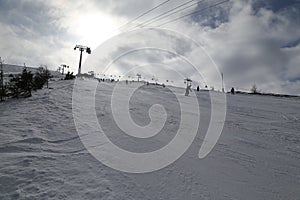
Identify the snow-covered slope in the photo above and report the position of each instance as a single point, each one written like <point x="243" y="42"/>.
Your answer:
<point x="17" y="69"/>
<point x="14" y="69"/>
<point x="42" y="157"/>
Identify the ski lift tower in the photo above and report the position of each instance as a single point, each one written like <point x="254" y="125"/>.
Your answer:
<point x="81" y="49"/>
<point x="223" y="90"/>
<point x="63" y="67"/>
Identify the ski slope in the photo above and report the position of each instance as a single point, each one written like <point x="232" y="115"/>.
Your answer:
<point x="42" y="156"/>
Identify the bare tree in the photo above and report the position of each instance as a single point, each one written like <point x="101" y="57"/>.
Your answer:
<point x="254" y="89"/>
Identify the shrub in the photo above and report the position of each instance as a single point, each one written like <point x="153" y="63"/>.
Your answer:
<point x="69" y="76"/>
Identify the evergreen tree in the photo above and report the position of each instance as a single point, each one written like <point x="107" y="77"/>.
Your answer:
<point x="26" y="83"/>
<point x="22" y="85"/>
<point x="41" y="77"/>
<point x="13" y="87"/>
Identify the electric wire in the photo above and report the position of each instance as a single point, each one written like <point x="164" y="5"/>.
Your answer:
<point x="163" y="15"/>
<point x="197" y="11"/>
<point x="143" y="14"/>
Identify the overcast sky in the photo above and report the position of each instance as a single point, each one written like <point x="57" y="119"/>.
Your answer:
<point x="250" y="42"/>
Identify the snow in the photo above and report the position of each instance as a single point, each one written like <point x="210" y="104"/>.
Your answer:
<point x="43" y="157"/>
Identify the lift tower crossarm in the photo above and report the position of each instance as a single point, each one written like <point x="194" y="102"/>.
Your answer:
<point x="81" y="49"/>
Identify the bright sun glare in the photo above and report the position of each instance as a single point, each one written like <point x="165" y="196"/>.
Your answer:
<point x="93" y="29"/>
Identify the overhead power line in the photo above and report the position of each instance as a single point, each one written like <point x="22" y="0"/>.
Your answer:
<point x="165" y="14"/>
<point x="145" y="13"/>
<point x="197" y="11"/>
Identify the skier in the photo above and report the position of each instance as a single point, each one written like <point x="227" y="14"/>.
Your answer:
<point x="232" y="90"/>
<point x="188" y="89"/>
<point x="198" y="88"/>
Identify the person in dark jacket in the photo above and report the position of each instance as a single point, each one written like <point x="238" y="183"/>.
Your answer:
<point x="232" y="90"/>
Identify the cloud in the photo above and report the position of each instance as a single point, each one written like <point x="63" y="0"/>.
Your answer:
<point x="250" y="41"/>
<point x="32" y="19"/>
<point x="30" y="33"/>
<point x="248" y="50"/>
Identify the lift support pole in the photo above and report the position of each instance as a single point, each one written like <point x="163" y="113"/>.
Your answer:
<point x="81" y="49"/>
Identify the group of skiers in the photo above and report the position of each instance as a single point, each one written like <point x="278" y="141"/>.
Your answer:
<point x="189" y="86"/>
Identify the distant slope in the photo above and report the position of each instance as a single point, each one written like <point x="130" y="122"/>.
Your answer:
<point x="8" y="68"/>
<point x="17" y="69"/>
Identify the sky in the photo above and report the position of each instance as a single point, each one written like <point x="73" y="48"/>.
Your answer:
<point x="248" y="41"/>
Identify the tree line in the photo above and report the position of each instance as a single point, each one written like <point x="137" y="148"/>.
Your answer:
<point x="23" y="84"/>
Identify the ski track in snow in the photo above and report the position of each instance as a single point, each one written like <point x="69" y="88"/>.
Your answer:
<point x="42" y="157"/>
